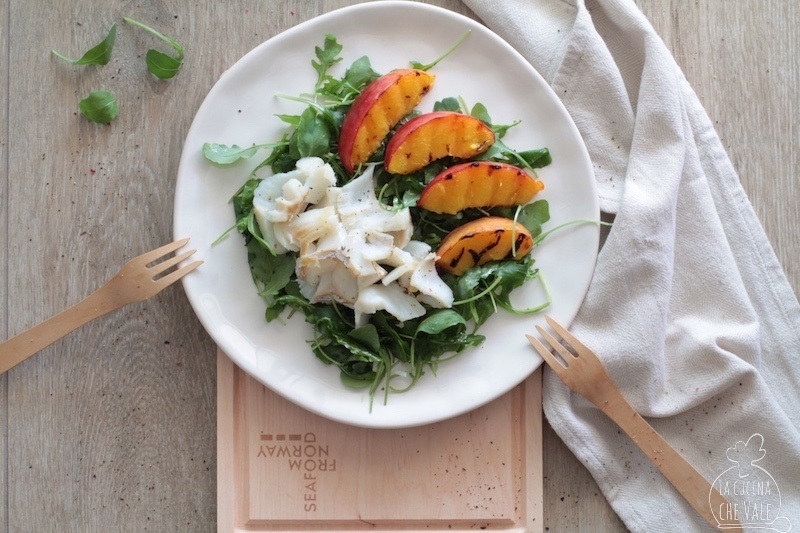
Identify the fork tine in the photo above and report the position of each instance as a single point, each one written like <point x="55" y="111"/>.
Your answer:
<point x="163" y="250"/>
<point x="573" y="341"/>
<point x="548" y="357"/>
<point x="556" y="344"/>
<point x="158" y="268"/>
<point x="172" y="277"/>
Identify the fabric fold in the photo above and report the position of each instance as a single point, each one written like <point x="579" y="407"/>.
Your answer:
<point x="688" y="308"/>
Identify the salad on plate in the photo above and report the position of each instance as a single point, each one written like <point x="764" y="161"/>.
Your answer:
<point x="397" y="233"/>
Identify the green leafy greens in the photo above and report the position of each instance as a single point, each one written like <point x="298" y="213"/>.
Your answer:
<point x="100" y="107"/>
<point x="100" y="54"/>
<point x="428" y="66"/>
<point x="160" y="64"/>
<point x="385" y="352"/>
<point x="227" y="155"/>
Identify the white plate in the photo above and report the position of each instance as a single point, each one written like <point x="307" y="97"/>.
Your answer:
<point x="241" y="109"/>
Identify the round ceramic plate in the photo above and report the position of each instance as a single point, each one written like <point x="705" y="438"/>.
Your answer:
<point x="241" y="109"/>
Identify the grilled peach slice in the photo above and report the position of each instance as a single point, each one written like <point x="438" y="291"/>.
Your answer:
<point x="478" y="184"/>
<point x="375" y="111"/>
<point x="431" y="136"/>
<point x="480" y="241"/>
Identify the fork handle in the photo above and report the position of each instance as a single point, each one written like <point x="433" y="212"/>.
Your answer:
<point x="695" y="488"/>
<point x="20" y="347"/>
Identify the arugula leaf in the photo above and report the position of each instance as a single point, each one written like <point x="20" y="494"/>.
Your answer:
<point x="368" y="336"/>
<point x="537" y="158"/>
<point x="501" y="129"/>
<point x="327" y="56"/>
<point x="160" y="64"/>
<point x="289" y="297"/>
<point x="163" y="65"/>
<point x="361" y="381"/>
<point x="222" y="154"/>
<point x="243" y="198"/>
<point x="428" y="66"/>
<point x="440" y="321"/>
<point x="251" y="226"/>
<point x="447" y="104"/>
<point x="335" y="93"/>
<point x="496" y="281"/>
<point x="100" y="107"/>
<point x="480" y="112"/>
<point x="533" y="216"/>
<point x="359" y="75"/>
<point x="100" y="54"/>
<point x="271" y="272"/>
<point x="440" y="332"/>
<point x="312" y="136"/>
<point x="511" y="275"/>
<point x="530" y="159"/>
<point x="329" y="328"/>
<point x="292" y="120"/>
<point x="499" y="151"/>
<point x="398" y="190"/>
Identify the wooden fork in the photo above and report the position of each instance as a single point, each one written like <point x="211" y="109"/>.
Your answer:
<point x="584" y="373"/>
<point x="139" y="279"/>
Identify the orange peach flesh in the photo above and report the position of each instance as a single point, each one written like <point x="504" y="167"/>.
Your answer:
<point x="379" y="107"/>
<point x="480" y="241"/>
<point x="478" y="184"/>
<point x="433" y="136"/>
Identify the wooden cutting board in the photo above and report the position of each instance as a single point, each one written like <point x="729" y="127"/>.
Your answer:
<point x="282" y="468"/>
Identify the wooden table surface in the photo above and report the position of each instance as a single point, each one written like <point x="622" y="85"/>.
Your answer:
<point x="113" y="427"/>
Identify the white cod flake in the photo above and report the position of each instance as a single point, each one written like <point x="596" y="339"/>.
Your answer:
<point x="337" y="284"/>
<point x="359" y="208"/>
<point x="403" y="263"/>
<point x="351" y="249"/>
<point x="407" y="260"/>
<point x="432" y="290"/>
<point x="303" y="231"/>
<point x="391" y="298"/>
<point x="280" y="197"/>
<point x="319" y="178"/>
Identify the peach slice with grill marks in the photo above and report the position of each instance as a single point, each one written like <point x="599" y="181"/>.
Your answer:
<point x="480" y="241"/>
<point x="379" y="107"/>
<point x="431" y="136"/>
<point x="478" y="184"/>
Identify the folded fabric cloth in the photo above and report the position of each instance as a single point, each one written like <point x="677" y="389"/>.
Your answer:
<point x="688" y="309"/>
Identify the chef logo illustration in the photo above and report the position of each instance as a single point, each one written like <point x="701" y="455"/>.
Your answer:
<point x="754" y="499"/>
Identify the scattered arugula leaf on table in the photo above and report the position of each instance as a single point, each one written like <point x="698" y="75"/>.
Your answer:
<point x="160" y="64"/>
<point x="100" y="107"/>
<point x="100" y="54"/>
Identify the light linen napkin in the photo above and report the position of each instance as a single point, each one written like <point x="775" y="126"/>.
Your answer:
<point x="688" y="309"/>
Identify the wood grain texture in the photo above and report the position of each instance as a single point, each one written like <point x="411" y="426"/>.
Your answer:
<point x="112" y="426"/>
<point x="282" y="468"/>
<point x="4" y="12"/>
